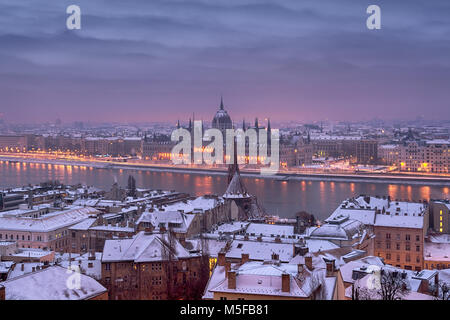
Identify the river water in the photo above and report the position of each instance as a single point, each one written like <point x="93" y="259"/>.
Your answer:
<point x="283" y="198"/>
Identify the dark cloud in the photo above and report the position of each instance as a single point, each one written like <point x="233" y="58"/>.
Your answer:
<point x="164" y="59"/>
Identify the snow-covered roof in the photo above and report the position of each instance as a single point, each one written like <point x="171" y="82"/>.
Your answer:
<point x="379" y="211"/>
<point x="270" y="229"/>
<point x="436" y="251"/>
<point x="258" y="250"/>
<point x="366" y="216"/>
<point x="344" y="230"/>
<point x="346" y="270"/>
<point x="91" y="268"/>
<point x="179" y="221"/>
<point x="414" y="222"/>
<point x="438" y="141"/>
<point x="5" y="266"/>
<point x="142" y="248"/>
<point x="51" y="284"/>
<point x="260" y="278"/>
<point x="27" y="268"/>
<point x="83" y="225"/>
<point x="48" y="222"/>
<point x="236" y="189"/>
<point x="193" y="205"/>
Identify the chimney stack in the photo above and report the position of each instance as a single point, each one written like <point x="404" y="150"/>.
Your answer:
<point x="308" y="261"/>
<point x="424" y="286"/>
<point x="227" y="268"/>
<point x="231" y="280"/>
<point x="285" y="283"/>
<point x="22" y="267"/>
<point x="330" y="268"/>
<point x="244" y="258"/>
<point x="2" y="293"/>
<point x="221" y="259"/>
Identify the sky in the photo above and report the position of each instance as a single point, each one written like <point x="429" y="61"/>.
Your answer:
<point x="163" y="60"/>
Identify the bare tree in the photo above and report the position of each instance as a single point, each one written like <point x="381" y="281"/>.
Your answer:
<point x="393" y="285"/>
<point x="442" y="289"/>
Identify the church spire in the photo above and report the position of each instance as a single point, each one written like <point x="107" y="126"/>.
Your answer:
<point x="243" y="124"/>
<point x="268" y="125"/>
<point x="233" y="168"/>
<point x="221" y="102"/>
<point x="178" y="124"/>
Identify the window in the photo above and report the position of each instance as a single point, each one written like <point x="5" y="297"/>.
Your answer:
<point x="388" y="245"/>
<point x="107" y="266"/>
<point x="407" y="247"/>
<point x="408" y="258"/>
<point x="418" y="248"/>
<point x="388" y="235"/>
<point x="408" y="237"/>
<point x="388" y="256"/>
<point x="397" y="246"/>
<point x="417" y="238"/>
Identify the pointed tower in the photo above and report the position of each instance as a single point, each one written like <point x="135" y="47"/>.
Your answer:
<point x="178" y="124"/>
<point x="234" y="166"/>
<point x="221" y="103"/>
<point x="256" y="123"/>
<point x="243" y="124"/>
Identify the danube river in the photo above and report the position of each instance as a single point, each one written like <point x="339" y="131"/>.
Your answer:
<point x="283" y="198"/>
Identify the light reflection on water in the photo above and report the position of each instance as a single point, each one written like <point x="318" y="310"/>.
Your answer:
<point x="278" y="197"/>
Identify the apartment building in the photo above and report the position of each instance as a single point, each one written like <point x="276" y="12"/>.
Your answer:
<point x="150" y="267"/>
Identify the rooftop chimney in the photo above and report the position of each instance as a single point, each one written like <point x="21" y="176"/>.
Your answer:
<point x="244" y="258"/>
<point x="227" y="268"/>
<point x="330" y="268"/>
<point x="231" y="280"/>
<point x="285" y="282"/>
<point x="22" y="267"/>
<point x="308" y="261"/>
<point x="221" y="259"/>
<point x="2" y="293"/>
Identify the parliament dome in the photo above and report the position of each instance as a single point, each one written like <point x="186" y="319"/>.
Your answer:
<point x="222" y="120"/>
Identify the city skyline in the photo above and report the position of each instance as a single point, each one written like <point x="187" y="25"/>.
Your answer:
<point x="165" y="60"/>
